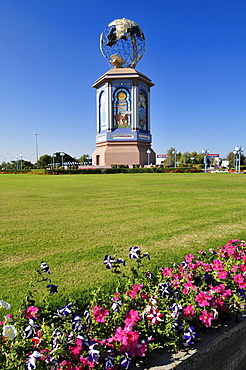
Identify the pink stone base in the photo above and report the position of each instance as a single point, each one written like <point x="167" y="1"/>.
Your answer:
<point x="127" y="153"/>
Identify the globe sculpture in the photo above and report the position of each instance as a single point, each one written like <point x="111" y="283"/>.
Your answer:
<point x="122" y="43"/>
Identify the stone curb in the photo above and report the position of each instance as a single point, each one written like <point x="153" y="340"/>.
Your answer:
<point x="223" y="349"/>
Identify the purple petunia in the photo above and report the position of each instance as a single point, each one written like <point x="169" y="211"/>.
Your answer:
<point x="44" y="267"/>
<point x="56" y="338"/>
<point x="108" y="261"/>
<point x="65" y="310"/>
<point x="189" y="336"/>
<point x="120" y="260"/>
<point x="149" y="275"/>
<point x="184" y="265"/>
<point x="31" y="360"/>
<point x="147" y="255"/>
<point x="53" y="288"/>
<point x="93" y="353"/>
<point x="87" y="316"/>
<point x="134" y="252"/>
<point x="126" y="361"/>
<point x="176" y="310"/>
<point x="30" y="329"/>
<point x="77" y="325"/>
<point x="164" y="289"/>
<point x="109" y="362"/>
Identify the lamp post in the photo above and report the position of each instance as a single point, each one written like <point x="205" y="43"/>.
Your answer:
<point x="238" y="151"/>
<point x="62" y="155"/>
<point x="148" y="152"/>
<point x="36" y="148"/>
<point x="175" y="152"/>
<point x="53" y="160"/>
<point x="205" y="152"/>
<point x="235" y="154"/>
<point x="192" y="159"/>
<point x="17" y="162"/>
<point x="20" y="156"/>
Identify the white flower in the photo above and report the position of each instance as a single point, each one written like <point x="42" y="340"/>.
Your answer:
<point x="9" y="331"/>
<point x="4" y="304"/>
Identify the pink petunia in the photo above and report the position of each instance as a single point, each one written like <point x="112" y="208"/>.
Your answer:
<point x="131" y="318"/>
<point x="99" y="313"/>
<point x="31" y="312"/>
<point x="144" y="296"/>
<point x="192" y="266"/>
<point x="221" y="305"/>
<point x="135" y="290"/>
<point x="189" y="258"/>
<point x="125" y="336"/>
<point x="222" y="274"/>
<point x="167" y="271"/>
<point x="238" y="278"/>
<point x="203" y="299"/>
<point x="134" y="349"/>
<point x="217" y="265"/>
<point x="225" y="293"/>
<point x="188" y="286"/>
<point x="234" y="269"/>
<point x="206" y="266"/>
<point x="189" y="311"/>
<point x="85" y="361"/>
<point x="243" y="268"/>
<point x="76" y="349"/>
<point x="206" y="318"/>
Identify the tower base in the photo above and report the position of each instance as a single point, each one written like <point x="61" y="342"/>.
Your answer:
<point x="116" y="153"/>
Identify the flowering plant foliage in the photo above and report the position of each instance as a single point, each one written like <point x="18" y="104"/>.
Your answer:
<point x="146" y="311"/>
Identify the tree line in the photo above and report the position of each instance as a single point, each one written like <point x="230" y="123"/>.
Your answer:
<point x="194" y="158"/>
<point x="59" y="159"/>
<point x="56" y="160"/>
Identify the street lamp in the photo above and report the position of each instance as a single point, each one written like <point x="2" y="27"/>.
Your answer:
<point x="21" y="160"/>
<point x="192" y="159"/>
<point x="238" y="151"/>
<point x="175" y="152"/>
<point x="148" y="152"/>
<point x="17" y="162"/>
<point x="53" y="159"/>
<point x="205" y="152"/>
<point x="36" y="148"/>
<point x="62" y="155"/>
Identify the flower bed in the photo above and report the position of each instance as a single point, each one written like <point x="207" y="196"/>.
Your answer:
<point x="145" y="312"/>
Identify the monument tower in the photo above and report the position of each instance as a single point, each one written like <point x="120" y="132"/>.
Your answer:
<point x="123" y="99"/>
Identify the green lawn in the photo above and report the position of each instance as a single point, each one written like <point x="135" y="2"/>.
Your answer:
<point x="72" y="221"/>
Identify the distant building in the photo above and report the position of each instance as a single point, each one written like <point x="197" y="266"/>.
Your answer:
<point x="224" y="163"/>
<point x="160" y="158"/>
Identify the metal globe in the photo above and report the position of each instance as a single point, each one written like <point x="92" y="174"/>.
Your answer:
<point x="122" y="43"/>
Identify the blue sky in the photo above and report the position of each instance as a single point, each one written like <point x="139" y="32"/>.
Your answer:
<point x="50" y="57"/>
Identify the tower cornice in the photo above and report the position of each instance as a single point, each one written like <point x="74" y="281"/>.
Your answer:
<point x="122" y="73"/>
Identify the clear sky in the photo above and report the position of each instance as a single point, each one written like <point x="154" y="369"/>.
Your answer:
<point x="50" y="57"/>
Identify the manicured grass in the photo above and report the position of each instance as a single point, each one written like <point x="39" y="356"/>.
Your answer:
<point x="72" y="222"/>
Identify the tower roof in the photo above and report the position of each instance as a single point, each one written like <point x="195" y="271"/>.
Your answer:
<point x="122" y="73"/>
